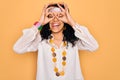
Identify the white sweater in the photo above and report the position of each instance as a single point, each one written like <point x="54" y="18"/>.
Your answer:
<point x="31" y="41"/>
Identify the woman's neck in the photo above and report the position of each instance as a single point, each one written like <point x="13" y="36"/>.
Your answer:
<point x="58" y="36"/>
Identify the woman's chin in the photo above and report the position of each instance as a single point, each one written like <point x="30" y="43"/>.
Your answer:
<point x="56" y="31"/>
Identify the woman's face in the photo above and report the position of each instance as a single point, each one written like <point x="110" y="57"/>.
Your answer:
<point x="55" y="14"/>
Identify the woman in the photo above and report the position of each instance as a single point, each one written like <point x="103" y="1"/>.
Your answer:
<point x="57" y="41"/>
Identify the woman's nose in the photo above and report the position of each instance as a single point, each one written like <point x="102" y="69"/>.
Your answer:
<point x="55" y="18"/>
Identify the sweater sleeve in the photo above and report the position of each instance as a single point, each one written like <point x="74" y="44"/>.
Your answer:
<point x="86" y="40"/>
<point x="28" y="42"/>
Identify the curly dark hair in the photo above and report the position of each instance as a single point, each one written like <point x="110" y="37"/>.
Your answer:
<point x="68" y="33"/>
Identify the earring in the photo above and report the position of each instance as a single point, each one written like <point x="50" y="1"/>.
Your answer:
<point x="64" y="28"/>
<point x="49" y="29"/>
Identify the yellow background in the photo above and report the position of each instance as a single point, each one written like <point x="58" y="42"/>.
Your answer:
<point x="102" y="17"/>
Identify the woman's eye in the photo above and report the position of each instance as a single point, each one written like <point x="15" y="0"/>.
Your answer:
<point x="50" y="16"/>
<point x="60" y="15"/>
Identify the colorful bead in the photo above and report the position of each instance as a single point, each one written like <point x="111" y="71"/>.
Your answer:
<point x="64" y="58"/>
<point x="57" y="74"/>
<point x="52" y="49"/>
<point x="63" y="63"/>
<point x="65" y="43"/>
<point x="64" y="53"/>
<point x="62" y="73"/>
<point x="56" y="69"/>
<point x="54" y="59"/>
<point x="54" y="54"/>
<point x="51" y="41"/>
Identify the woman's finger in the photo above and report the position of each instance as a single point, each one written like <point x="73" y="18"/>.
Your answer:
<point x="60" y="7"/>
<point x="66" y="8"/>
<point x="44" y="9"/>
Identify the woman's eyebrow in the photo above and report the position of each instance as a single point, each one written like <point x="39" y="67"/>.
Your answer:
<point x="49" y="10"/>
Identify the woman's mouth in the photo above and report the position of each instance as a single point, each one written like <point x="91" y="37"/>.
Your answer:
<point x="55" y="24"/>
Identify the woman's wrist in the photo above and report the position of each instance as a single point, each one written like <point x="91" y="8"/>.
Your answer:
<point x="38" y="25"/>
<point x="72" y="23"/>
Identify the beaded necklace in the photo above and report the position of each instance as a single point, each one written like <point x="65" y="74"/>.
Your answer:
<point x="54" y="59"/>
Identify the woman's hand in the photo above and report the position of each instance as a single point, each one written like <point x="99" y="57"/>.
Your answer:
<point x="43" y="14"/>
<point x="43" y="19"/>
<point x="67" y="18"/>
